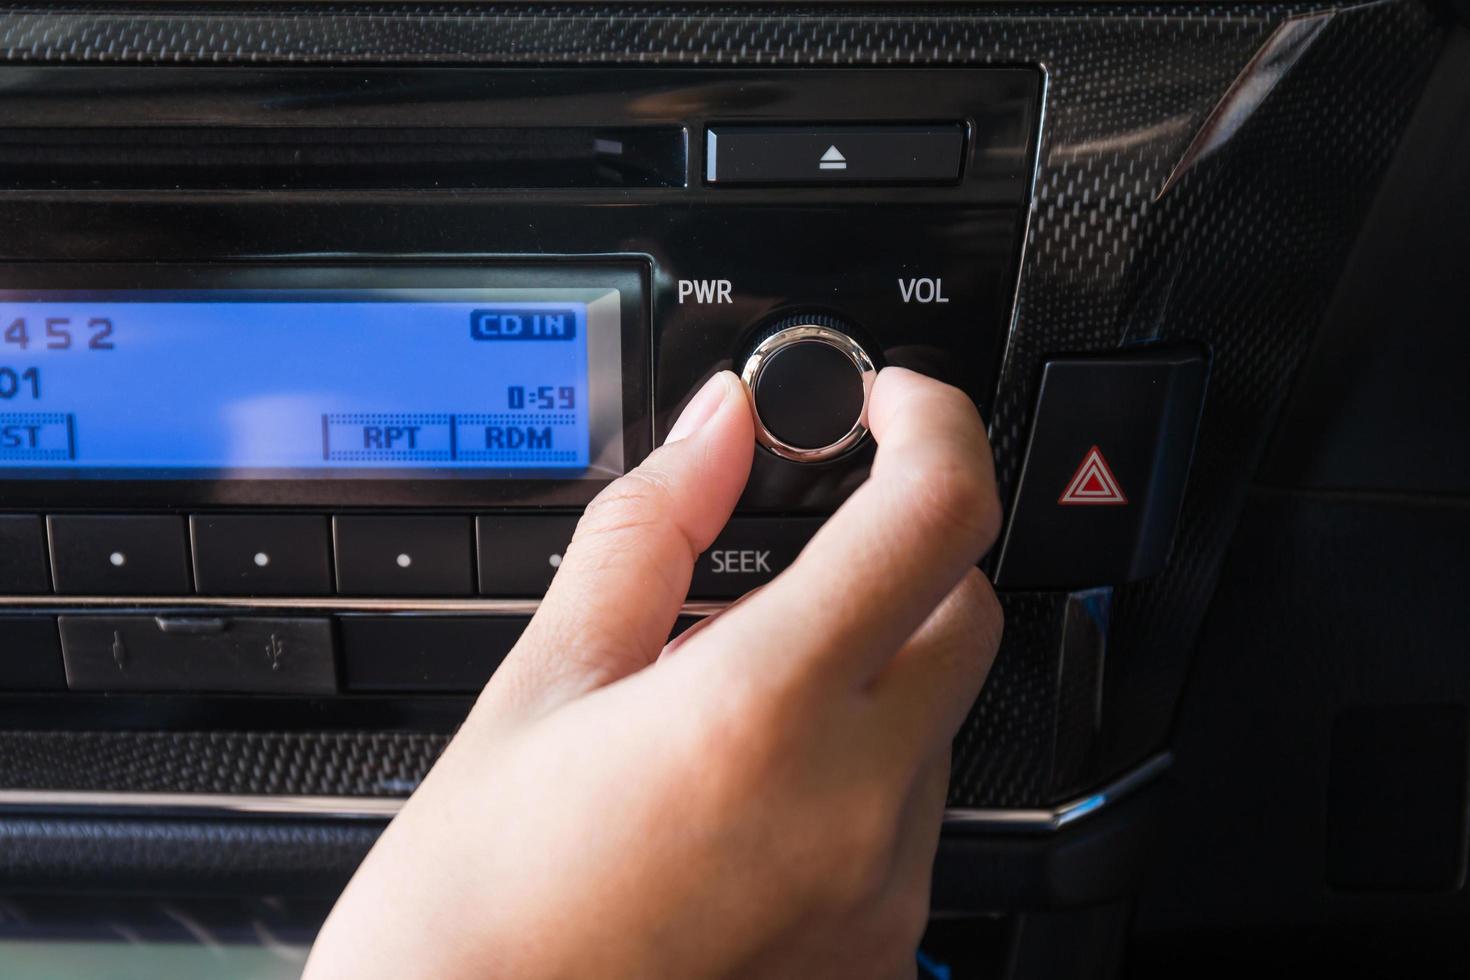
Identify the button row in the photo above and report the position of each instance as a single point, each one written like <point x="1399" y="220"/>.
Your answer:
<point x="513" y="556"/>
<point x="256" y="655"/>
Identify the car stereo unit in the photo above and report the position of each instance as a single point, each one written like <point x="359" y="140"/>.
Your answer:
<point x="306" y="375"/>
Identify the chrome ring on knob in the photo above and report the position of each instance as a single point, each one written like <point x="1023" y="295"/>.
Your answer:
<point x="808" y="333"/>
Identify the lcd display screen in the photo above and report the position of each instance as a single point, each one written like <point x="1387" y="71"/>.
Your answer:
<point x="307" y="383"/>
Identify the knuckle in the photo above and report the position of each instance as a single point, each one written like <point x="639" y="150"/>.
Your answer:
<point x="988" y="614"/>
<point x="954" y="492"/>
<point x="636" y="501"/>
<point x="635" y="511"/>
<point x="975" y="633"/>
<point x="980" y="599"/>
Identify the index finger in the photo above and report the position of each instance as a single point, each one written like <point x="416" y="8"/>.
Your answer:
<point x="895" y="549"/>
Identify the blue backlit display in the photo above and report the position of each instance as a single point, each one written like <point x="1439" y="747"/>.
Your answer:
<point x="309" y="383"/>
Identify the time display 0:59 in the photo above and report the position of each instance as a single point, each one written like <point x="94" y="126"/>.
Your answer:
<point x="541" y="398"/>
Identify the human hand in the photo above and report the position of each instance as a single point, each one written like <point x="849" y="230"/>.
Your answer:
<point x="761" y="797"/>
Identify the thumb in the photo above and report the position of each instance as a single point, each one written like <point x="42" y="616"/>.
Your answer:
<point x="626" y="573"/>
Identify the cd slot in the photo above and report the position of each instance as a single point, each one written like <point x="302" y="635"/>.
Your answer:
<point x="194" y="158"/>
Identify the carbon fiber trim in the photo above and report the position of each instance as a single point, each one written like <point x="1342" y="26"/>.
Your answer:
<point x="258" y="763"/>
<point x="1240" y="253"/>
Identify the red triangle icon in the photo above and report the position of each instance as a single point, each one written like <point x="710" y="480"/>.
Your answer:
<point x="1093" y="483"/>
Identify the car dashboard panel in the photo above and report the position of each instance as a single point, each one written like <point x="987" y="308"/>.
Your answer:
<point x="319" y="328"/>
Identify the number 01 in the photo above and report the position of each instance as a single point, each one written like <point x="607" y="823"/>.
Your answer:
<point x="12" y="382"/>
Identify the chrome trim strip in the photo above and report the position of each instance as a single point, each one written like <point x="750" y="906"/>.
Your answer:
<point x="199" y="804"/>
<point x="1047" y="821"/>
<point x="495" y="607"/>
<point x="34" y="801"/>
<point x="1027" y="220"/>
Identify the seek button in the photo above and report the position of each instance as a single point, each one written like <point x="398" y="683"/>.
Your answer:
<point x="748" y="553"/>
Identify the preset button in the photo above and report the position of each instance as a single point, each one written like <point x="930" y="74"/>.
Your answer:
<point x="247" y="554"/>
<point x="519" y="554"/>
<point x="132" y="555"/>
<point x="403" y="556"/>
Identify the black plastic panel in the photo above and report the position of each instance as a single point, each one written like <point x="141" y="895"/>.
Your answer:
<point x="1398" y="780"/>
<point x="23" y="566"/>
<point x="779" y="249"/>
<point x="1383" y="392"/>
<point x="30" y="654"/>
<point x="1321" y="742"/>
<point x="424" y="653"/>
<point x="113" y="157"/>
<point x="1340" y="619"/>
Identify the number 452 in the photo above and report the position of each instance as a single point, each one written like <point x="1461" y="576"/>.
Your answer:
<point x="58" y="333"/>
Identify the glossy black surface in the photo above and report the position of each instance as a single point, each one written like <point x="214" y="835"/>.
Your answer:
<point x="30" y="654"/>
<point x="809" y="395"/>
<point x="23" y="569"/>
<point x="847" y="250"/>
<point x="115" y="157"/>
<point x="424" y="653"/>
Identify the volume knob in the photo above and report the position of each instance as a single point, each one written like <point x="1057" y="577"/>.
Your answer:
<point x="809" y="382"/>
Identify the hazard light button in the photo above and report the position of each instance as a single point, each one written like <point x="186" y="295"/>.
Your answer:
<point x="1104" y="472"/>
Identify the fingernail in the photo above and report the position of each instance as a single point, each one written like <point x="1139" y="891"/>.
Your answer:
<point x="701" y="408"/>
